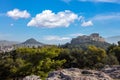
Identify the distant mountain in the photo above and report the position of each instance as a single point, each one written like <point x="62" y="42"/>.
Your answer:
<point x="84" y="41"/>
<point x="30" y="43"/>
<point x="113" y="39"/>
<point x="7" y="43"/>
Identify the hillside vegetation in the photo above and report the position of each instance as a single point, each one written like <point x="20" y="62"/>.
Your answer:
<point x="40" y="61"/>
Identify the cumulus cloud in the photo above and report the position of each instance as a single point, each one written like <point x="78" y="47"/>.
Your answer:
<point x="105" y="1"/>
<point x="51" y="20"/>
<point x="56" y="38"/>
<point x="16" y="14"/>
<point x="86" y="24"/>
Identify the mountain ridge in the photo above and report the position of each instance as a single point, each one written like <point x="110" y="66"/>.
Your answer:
<point x="32" y="41"/>
<point x="8" y="43"/>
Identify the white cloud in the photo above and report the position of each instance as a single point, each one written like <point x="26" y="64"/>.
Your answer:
<point x="51" y="20"/>
<point x="16" y="14"/>
<point x="11" y="24"/>
<point x="105" y="1"/>
<point x="107" y="16"/>
<point x="56" y="38"/>
<point x="80" y="18"/>
<point x="86" y="24"/>
<point x="66" y="1"/>
<point x="63" y="38"/>
<point x="96" y="1"/>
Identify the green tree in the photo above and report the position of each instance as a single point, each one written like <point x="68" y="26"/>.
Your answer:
<point x="38" y="60"/>
<point x="95" y="57"/>
<point x="110" y="59"/>
<point x="118" y="43"/>
<point x="116" y="52"/>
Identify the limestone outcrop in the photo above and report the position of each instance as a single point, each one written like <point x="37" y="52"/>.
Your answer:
<point x="112" y="71"/>
<point x="32" y="77"/>
<point x="77" y="74"/>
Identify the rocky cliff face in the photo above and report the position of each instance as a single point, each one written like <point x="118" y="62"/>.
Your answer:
<point x="85" y="39"/>
<point x="112" y="71"/>
<point x="31" y="77"/>
<point x="77" y="74"/>
<point x="107" y="73"/>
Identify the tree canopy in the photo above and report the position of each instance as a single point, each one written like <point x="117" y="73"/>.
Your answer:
<point x="40" y="61"/>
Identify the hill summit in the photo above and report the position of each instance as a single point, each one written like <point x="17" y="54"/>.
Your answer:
<point x="87" y="40"/>
<point x="93" y="37"/>
<point x="30" y="43"/>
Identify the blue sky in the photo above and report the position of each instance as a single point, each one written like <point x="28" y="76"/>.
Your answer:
<point x="57" y="21"/>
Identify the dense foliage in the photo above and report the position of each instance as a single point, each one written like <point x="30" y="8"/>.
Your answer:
<point x="27" y="61"/>
<point x="40" y="61"/>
